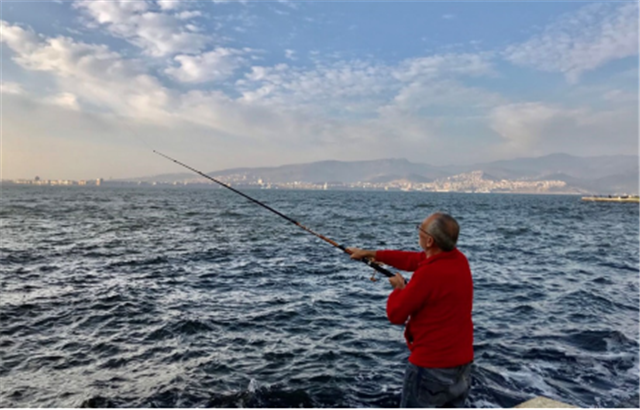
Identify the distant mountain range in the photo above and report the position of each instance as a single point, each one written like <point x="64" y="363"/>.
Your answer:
<point x="601" y="175"/>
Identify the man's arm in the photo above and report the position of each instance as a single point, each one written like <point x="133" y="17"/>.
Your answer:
<point x="405" y="300"/>
<point x="406" y="261"/>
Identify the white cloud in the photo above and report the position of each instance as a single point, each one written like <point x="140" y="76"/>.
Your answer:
<point x="170" y="4"/>
<point x="525" y="123"/>
<point x="539" y="128"/>
<point x="66" y="100"/>
<point x="329" y="107"/>
<point x="158" y="33"/>
<point x="325" y="86"/>
<point x="333" y="106"/>
<point x="12" y="88"/>
<point x="621" y="97"/>
<point x="186" y="15"/>
<point x="581" y="41"/>
<point x="419" y="96"/>
<point x="44" y="138"/>
<point x="366" y="89"/>
<point x="347" y="101"/>
<point x="229" y="1"/>
<point x="214" y="65"/>
<point x="288" y="3"/>
<point x="445" y="65"/>
<point x="289" y="54"/>
<point x="100" y="76"/>
<point x="17" y="37"/>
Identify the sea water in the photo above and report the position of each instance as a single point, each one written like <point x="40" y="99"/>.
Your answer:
<point x="185" y="297"/>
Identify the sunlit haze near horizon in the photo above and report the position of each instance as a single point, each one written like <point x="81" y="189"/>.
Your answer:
<point x="90" y="88"/>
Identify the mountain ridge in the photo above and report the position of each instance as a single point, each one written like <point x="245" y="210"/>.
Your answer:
<point x="599" y="174"/>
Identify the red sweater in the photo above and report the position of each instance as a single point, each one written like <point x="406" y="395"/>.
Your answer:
<point x="437" y="303"/>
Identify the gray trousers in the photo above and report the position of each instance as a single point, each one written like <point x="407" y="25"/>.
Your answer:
<point x="432" y="387"/>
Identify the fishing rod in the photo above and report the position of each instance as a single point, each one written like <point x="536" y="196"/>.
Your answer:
<point x="369" y="262"/>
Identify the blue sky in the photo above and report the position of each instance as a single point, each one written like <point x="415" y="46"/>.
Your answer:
<point x="89" y="87"/>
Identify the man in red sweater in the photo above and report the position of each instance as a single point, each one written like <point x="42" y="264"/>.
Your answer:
<point x="436" y="308"/>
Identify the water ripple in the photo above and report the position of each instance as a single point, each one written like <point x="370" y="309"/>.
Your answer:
<point x="194" y="298"/>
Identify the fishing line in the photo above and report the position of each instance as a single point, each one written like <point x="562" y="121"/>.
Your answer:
<point x="369" y="262"/>
<point x="366" y="261"/>
<point x="138" y="137"/>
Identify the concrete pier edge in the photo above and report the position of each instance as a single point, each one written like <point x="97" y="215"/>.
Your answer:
<point x="541" y="402"/>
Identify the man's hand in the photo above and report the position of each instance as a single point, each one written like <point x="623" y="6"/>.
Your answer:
<point x="357" y="254"/>
<point x="397" y="281"/>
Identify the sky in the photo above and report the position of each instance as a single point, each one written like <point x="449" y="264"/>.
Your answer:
<point x="91" y="88"/>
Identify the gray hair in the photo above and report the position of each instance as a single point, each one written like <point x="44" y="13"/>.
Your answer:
<point x="444" y="230"/>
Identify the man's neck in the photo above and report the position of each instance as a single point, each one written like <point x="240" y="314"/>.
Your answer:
<point x="432" y="252"/>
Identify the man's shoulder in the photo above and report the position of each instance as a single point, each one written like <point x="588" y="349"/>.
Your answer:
<point x="448" y="260"/>
<point x="454" y="254"/>
<point x="459" y="254"/>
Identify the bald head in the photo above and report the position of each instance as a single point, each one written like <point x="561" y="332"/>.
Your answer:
<point x="444" y="230"/>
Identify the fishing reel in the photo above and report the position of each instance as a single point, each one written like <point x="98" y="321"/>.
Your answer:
<point x="371" y="263"/>
<point x="373" y="277"/>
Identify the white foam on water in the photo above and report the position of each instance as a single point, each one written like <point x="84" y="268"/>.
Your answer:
<point x="482" y="404"/>
<point x="253" y="385"/>
<point x="530" y="378"/>
<point x="328" y="295"/>
<point x="633" y="372"/>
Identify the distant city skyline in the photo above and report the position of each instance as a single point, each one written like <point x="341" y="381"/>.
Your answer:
<point x="471" y="182"/>
<point x="90" y="88"/>
<point x="557" y="173"/>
